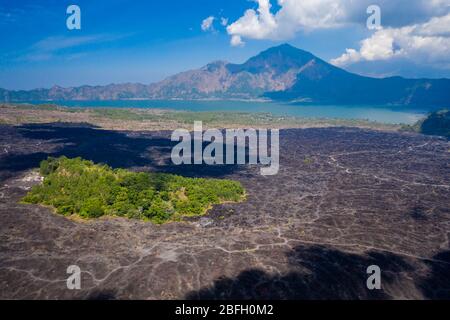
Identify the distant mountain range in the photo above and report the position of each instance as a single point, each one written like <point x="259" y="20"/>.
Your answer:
<point x="279" y="73"/>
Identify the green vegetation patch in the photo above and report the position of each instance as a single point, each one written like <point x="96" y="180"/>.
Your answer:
<point x="123" y="114"/>
<point x="436" y="123"/>
<point x="170" y="118"/>
<point x="77" y="186"/>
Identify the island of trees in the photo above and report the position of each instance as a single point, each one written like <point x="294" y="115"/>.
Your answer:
<point x="77" y="186"/>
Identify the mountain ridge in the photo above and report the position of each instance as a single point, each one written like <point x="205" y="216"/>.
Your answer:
<point x="283" y="72"/>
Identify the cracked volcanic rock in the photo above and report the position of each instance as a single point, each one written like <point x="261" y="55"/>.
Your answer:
<point x="344" y="199"/>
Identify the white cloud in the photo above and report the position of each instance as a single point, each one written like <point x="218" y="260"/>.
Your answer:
<point x="207" y="24"/>
<point x="428" y="42"/>
<point x="258" y="24"/>
<point x="303" y="15"/>
<point x="50" y="47"/>
<point x="224" y="21"/>
<point x="58" y="43"/>
<point x="437" y="26"/>
<point x="236" y="41"/>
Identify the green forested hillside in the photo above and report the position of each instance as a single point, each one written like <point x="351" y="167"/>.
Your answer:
<point x="437" y="123"/>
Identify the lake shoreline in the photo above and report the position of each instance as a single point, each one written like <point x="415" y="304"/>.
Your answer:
<point x="138" y="119"/>
<point x="391" y="114"/>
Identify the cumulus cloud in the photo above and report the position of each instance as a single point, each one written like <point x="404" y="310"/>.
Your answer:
<point x="259" y="24"/>
<point x="427" y="42"/>
<point x="303" y="15"/>
<point x="236" y="41"/>
<point x="207" y="24"/>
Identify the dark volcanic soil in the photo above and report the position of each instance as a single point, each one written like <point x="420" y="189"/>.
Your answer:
<point x="344" y="199"/>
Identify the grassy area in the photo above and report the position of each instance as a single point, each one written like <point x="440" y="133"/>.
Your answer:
<point x="42" y="107"/>
<point x="158" y="119"/>
<point x="220" y="118"/>
<point x="122" y="114"/>
<point x="80" y="187"/>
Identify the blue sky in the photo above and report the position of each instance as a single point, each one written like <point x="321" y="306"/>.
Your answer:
<point x="145" y="41"/>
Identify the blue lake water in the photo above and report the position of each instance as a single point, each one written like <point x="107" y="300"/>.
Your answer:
<point x="383" y="114"/>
